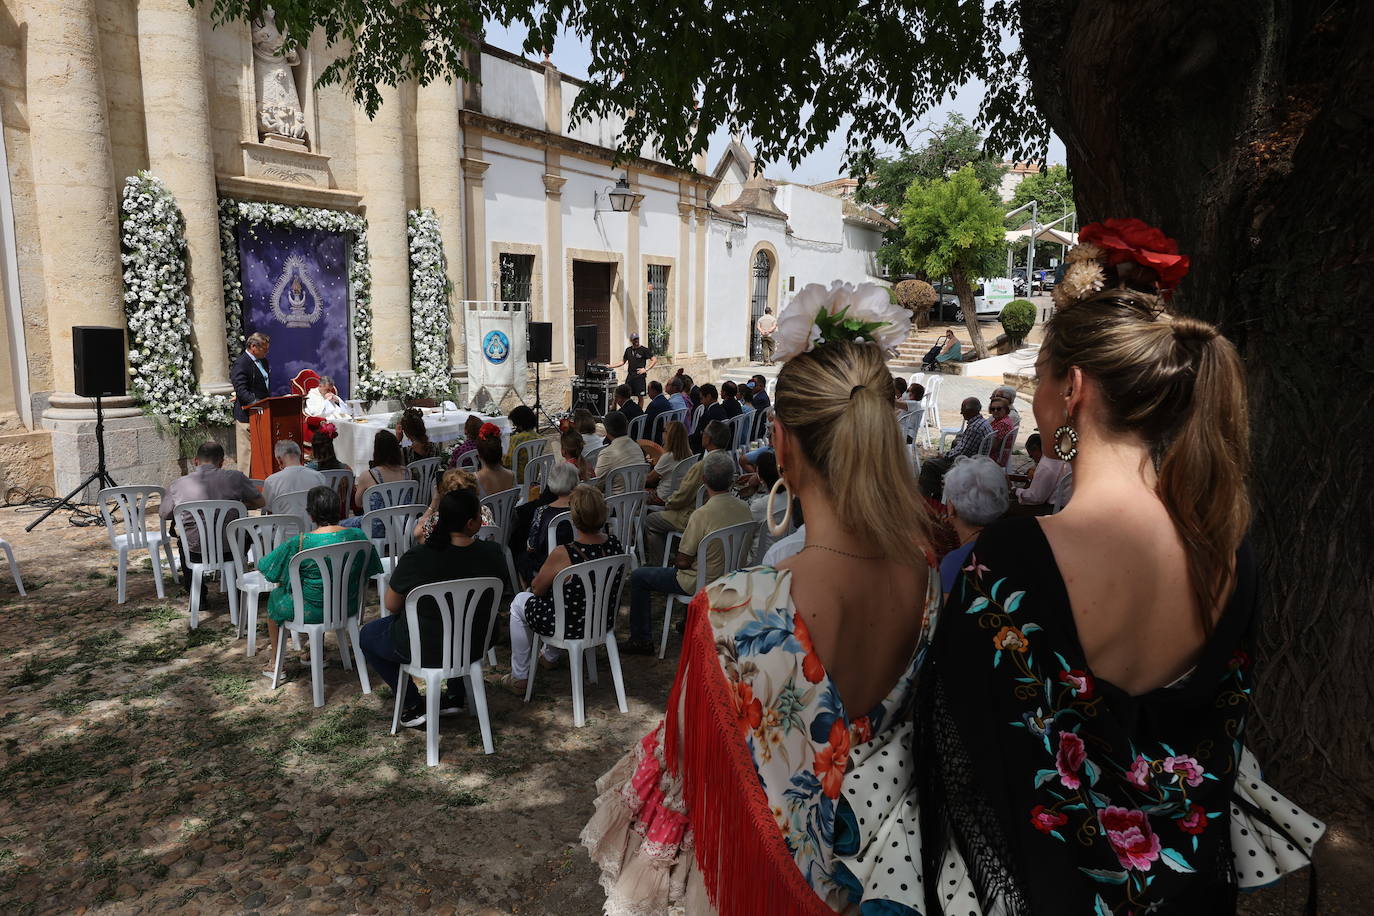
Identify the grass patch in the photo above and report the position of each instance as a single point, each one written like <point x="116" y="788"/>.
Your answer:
<point x="152" y="687"/>
<point x="339" y="728"/>
<point x="162" y="613"/>
<point x="98" y="643"/>
<point x="70" y="702"/>
<point x="36" y="673"/>
<point x="204" y="636"/>
<point x="234" y="687"/>
<point x="154" y="653"/>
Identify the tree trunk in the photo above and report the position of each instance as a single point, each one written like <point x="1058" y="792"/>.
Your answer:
<point x="1243" y="129"/>
<point x="964" y="291"/>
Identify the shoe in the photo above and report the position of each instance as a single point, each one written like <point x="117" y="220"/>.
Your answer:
<point x="451" y="705"/>
<point x="516" y="687"/>
<point x="636" y="647"/>
<point x="550" y="665"/>
<point x="413" y="718"/>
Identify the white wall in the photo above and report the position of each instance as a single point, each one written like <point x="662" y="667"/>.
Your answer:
<point x="512" y="92"/>
<point x="603" y="132"/>
<point x="813" y="216"/>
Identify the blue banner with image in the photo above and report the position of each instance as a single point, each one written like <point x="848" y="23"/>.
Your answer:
<point x="295" y="290"/>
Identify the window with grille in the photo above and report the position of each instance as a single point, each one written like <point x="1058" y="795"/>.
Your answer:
<point x="659" y="330"/>
<point x="517" y="274"/>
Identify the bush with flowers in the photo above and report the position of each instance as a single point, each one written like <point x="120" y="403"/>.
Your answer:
<point x="156" y="298"/>
<point x="429" y="305"/>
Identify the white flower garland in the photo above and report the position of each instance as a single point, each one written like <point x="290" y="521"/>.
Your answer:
<point x="368" y="383"/>
<point x="429" y="306"/>
<point x="156" y="297"/>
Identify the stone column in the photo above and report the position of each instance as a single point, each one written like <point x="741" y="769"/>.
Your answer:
<point x="556" y="309"/>
<point x="180" y="152"/>
<point x="440" y="145"/>
<point x="635" y="313"/>
<point x="680" y="345"/>
<point x="74" y="182"/>
<point x="475" y="224"/>
<point x="381" y="179"/>
<point x="699" y="308"/>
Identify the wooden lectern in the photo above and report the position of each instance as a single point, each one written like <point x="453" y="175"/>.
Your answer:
<point x="269" y="421"/>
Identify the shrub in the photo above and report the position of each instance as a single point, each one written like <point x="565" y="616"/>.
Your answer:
<point x="917" y="295"/>
<point x="1018" y="317"/>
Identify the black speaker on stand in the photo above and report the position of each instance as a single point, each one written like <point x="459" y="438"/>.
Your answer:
<point x="540" y="350"/>
<point x="98" y="368"/>
<point x="584" y="346"/>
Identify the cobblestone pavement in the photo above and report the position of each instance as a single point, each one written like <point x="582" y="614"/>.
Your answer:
<point x="148" y="768"/>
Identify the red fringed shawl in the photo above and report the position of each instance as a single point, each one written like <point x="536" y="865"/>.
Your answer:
<point x="745" y="864"/>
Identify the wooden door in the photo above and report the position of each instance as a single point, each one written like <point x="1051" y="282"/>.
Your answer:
<point x="592" y="303"/>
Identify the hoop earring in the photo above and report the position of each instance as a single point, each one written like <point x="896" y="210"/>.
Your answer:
<point x="778" y="530"/>
<point x="1060" y="452"/>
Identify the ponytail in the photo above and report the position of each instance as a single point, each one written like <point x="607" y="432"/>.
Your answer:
<point x="837" y="401"/>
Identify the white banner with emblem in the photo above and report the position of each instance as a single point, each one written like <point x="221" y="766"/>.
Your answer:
<point x="497" y="334"/>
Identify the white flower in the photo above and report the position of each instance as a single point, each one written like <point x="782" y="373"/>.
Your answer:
<point x="798" y="331"/>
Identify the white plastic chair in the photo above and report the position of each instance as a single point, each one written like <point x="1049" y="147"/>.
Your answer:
<point x="339" y="565"/>
<point x="521" y="456"/>
<point x="637" y="427"/>
<point x="625" y="517"/>
<point x="502" y="506"/>
<point x="762" y="428"/>
<point x="294" y="505"/>
<point x="342" y="482"/>
<point x="602" y="583"/>
<point x="630" y="478"/>
<point x="735" y="541"/>
<point x="251" y="539"/>
<point x="662" y="420"/>
<point x="424" y="472"/>
<point x="14" y="567"/>
<point x="398" y="536"/>
<point x="493" y="534"/>
<point x="459" y="601"/>
<point x="589" y="457"/>
<point x="396" y="493"/>
<point x="469" y="460"/>
<point x="740" y="429"/>
<point x="561" y="518"/>
<point x="536" y="474"/>
<point x="132" y="506"/>
<point x="211" y="518"/>
<point x="932" y="405"/>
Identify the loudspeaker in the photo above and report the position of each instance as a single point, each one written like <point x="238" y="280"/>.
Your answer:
<point x="584" y="342"/>
<point x="98" y="361"/>
<point x="540" y="348"/>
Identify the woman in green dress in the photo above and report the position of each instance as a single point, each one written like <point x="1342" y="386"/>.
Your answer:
<point x="324" y="508"/>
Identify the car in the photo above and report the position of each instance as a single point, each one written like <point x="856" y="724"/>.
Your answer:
<point x="989" y="296"/>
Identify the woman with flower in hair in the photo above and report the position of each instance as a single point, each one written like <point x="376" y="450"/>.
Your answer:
<point x="787" y="735"/>
<point x="1083" y="705"/>
<point x="492" y="476"/>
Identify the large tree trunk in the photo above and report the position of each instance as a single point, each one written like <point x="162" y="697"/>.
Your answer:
<point x="1243" y="128"/>
<point x="964" y="291"/>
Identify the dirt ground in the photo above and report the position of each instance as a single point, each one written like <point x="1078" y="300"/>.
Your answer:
<point x="145" y="768"/>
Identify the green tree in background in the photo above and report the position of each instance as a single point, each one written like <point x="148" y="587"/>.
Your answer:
<point x="1053" y="189"/>
<point x="950" y="147"/>
<point x="953" y="228"/>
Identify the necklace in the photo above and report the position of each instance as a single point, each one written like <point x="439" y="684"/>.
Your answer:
<point x="852" y="556"/>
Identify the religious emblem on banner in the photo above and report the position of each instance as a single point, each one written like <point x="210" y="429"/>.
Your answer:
<point x="496" y="346"/>
<point x="296" y="291"/>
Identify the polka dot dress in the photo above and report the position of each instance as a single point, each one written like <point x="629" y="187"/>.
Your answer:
<point x="539" y="613"/>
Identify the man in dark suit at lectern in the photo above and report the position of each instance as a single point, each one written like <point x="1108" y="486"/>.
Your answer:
<point x="251" y="381"/>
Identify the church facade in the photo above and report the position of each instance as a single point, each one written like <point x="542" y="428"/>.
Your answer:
<point x="93" y="92"/>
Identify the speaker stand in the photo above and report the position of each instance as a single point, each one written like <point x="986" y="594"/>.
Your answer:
<point x="99" y="475"/>
<point x="538" y="405"/>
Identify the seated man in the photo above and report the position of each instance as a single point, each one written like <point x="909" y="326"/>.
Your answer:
<point x="324" y="401"/>
<point x="293" y="477"/>
<point x="721" y="510"/>
<point x="712" y="409"/>
<point x="968" y="443"/>
<point x="677" y="511"/>
<point x="729" y="393"/>
<point x="658" y="403"/>
<point x="620" y="451"/>
<point x="760" y="395"/>
<point x="208" y="480"/>
<point x="626" y="403"/>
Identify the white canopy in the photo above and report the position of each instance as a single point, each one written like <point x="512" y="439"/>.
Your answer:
<point x="1042" y="234"/>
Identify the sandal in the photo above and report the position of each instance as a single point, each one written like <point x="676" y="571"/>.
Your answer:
<point x="516" y="687"/>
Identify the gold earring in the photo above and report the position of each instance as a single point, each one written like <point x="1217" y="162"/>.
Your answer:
<point x="778" y="529"/>
<point x="1065" y="432"/>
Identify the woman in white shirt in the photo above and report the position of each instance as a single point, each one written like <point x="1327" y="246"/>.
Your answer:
<point x="586" y="427"/>
<point x="324" y="401"/>
<point x="1051" y="481"/>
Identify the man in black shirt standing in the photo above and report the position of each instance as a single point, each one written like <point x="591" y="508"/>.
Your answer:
<point x="640" y="360"/>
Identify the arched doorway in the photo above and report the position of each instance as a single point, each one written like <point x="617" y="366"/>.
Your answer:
<point x="762" y="271"/>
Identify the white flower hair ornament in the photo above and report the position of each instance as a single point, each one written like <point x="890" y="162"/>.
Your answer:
<point x="817" y="315"/>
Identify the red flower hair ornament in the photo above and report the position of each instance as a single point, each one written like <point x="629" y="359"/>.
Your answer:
<point x="1138" y="241"/>
<point x="329" y="429"/>
<point x="489" y="431"/>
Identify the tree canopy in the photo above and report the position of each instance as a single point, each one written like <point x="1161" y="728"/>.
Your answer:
<point x="1051" y="187"/>
<point x="680" y="71"/>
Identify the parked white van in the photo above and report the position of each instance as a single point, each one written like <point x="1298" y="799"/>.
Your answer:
<point x="990" y="296"/>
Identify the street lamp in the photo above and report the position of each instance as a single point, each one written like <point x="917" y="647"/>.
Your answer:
<point x="622" y="196"/>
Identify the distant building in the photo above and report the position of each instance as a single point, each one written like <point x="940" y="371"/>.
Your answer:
<point x="1016" y="172"/>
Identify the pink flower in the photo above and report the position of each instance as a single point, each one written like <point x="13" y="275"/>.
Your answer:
<point x="1069" y="759"/>
<point x="1139" y="773"/>
<point x="1045" y="820"/>
<point x="1186" y="768"/>
<point x="1128" y="830"/>
<point x="1195" y="821"/>
<point x="974" y="566"/>
<point x="1079" y="681"/>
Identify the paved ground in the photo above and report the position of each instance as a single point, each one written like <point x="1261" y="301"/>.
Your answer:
<point x="148" y="769"/>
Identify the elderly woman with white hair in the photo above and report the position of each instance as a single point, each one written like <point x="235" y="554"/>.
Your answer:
<point x="324" y="401"/>
<point x="976" y="494"/>
<point x="562" y="480"/>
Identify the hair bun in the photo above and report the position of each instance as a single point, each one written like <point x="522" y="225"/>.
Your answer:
<point x="1186" y="328"/>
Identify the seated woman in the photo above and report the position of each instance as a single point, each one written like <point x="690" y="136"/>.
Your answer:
<point x="452" y="479"/>
<point x="471" y="427"/>
<point x="492" y="477"/>
<point x="412" y="427"/>
<point x="931" y="362"/>
<point x="585" y="425"/>
<point x="323" y="506"/>
<point x="452" y="551"/>
<point x="524" y="427"/>
<point x="975" y="497"/>
<point x="758" y="507"/>
<point x="1049" y="482"/>
<point x="532" y="611"/>
<point x="324" y="401"/>
<point x="387" y="466"/>
<point x="322" y="450"/>
<point x="1003" y="426"/>
<point x="666" y="458"/>
<point x="562" y="481"/>
<point x="570" y="448"/>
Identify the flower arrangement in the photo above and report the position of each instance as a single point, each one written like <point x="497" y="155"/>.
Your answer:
<point x="429" y="305"/>
<point x="156" y="296"/>
<point x="1114" y="248"/>
<point x="817" y="315"/>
